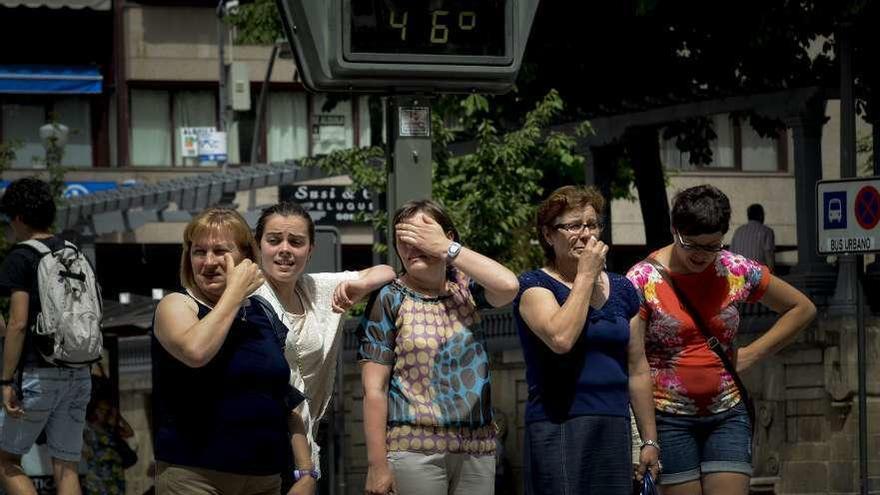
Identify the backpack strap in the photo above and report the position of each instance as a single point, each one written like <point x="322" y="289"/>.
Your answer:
<point x="37" y="246"/>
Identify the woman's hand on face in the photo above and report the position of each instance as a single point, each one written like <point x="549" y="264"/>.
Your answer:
<point x="424" y="233"/>
<point x="380" y="480"/>
<point x="242" y="279"/>
<point x="591" y="261"/>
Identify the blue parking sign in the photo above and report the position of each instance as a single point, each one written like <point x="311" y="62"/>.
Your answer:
<point x="834" y="209"/>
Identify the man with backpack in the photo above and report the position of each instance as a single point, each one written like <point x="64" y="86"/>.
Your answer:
<point x="52" y="336"/>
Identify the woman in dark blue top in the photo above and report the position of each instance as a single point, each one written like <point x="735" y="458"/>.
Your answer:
<point x="221" y="386"/>
<point x="585" y="363"/>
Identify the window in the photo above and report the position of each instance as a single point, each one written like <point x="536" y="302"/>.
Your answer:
<point x="331" y="130"/>
<point x="737" y="148"/>
<point x="157" y="117"/>
<point x="150" y="128"/>
<point x="23" y="117"/>
<point x="287" y="126"/>
<point x="295" y="126"/>
<point x="365" y="131"/>
<point x="191" y="109"/>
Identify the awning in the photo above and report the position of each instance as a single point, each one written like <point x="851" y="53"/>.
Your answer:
<point x="57" y="4"/>
<point x="43" y="79"/>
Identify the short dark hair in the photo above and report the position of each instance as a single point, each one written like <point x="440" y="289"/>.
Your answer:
<point x="701" y="210"/>
<point x="755" y="212"/>
<point x="285" y="209"/>
<point x="31" y="199"/>
<point x="433" y="210"/>
<point x="561" y="201"/>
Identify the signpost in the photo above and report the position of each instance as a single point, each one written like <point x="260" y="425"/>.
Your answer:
<point x="849" y="211"/>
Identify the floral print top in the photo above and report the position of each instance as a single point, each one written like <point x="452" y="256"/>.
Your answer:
<point x="105" y="475"/>
<point x="688" y="377"/>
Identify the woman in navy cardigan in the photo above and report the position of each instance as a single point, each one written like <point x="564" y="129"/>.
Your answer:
<point x="223" y="405"/>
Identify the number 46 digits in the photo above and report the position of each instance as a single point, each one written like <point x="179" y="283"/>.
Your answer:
<point x="467" y="21"/>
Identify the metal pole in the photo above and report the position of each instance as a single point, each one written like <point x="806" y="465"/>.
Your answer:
<point x="261" y="105"/>
<point x="843" y="302"/>
<point x="409" y="156"/>
<point x="863" y="381"/>
<point x="221" y="56"/>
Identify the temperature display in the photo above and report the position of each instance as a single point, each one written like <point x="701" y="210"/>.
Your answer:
<point x="429" y="27"/>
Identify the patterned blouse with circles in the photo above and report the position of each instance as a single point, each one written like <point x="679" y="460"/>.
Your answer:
<point x="439" y="392"/>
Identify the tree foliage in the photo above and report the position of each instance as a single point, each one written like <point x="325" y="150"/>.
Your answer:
<point x="498" y="186"/>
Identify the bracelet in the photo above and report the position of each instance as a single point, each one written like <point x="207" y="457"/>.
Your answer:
<point x="299" y="474"/>
<point x="650" y="443"/>
<point x="5" y="383"/>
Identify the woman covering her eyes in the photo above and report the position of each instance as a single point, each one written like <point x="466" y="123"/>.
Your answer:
<point x="702" y="421"/>
<point x="310" y="305"/>
<point x="585" y="364"/>
<point x="428" y="421"/>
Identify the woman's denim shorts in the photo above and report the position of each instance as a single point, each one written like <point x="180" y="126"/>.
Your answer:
<point x="697" y="445"/>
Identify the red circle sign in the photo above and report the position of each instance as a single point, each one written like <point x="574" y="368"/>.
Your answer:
<point x="867" y="207"/>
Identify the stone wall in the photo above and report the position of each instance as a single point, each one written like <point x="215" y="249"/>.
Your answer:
<point x="806" y="440"/>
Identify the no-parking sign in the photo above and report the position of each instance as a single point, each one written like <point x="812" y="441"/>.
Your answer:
<point x="849" y="212"/>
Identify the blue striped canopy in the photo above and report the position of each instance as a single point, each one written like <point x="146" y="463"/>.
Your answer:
<point x="54" y="79"/>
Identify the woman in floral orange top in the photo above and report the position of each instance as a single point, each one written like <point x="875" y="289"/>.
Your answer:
<point x="702" y="422"/>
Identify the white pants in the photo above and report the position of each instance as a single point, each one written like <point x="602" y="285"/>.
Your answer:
<point x="443" y="474"/>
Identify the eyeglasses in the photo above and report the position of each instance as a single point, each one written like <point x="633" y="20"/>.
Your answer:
<point x="691" y="246"/>
<point x="578" y="227"/>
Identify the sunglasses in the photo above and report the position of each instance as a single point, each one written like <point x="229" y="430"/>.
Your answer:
<point x="692" y="246"/>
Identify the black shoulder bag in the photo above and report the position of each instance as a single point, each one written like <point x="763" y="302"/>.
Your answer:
<point x="711" y="341"/>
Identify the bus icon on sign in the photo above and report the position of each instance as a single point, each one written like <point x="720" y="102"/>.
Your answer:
<point x="834" y="208"/>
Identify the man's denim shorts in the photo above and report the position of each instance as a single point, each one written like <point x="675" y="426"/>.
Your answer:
<point x="697" y="445"/>
<point x="53" y="399"/>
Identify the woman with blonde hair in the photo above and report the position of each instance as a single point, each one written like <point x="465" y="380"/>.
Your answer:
<point x="223" y="405"/>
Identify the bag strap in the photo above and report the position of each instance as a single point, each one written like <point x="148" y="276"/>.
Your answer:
<point x="37" y="246"/>
<point x="712" y="342"/>
<point x="277" y="325"/>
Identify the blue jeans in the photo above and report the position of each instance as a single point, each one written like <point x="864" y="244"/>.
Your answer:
<point x="697" y="445"/>
<point x="581" y="455"/>
<point x="53" y="399"/>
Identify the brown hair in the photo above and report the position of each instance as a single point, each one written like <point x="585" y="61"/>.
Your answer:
<point x="564" y="199"/>
<point x="285" y="209"/>
<point x="433" y="210"/>
<point x="215" y="220"/>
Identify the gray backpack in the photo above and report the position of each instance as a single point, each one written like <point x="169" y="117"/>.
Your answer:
<point x="70" y="317"/>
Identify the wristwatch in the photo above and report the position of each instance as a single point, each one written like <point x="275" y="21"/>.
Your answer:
<point x="452" y="251"/>
<point x="650" y="443"/>
<point x="299" y="474"/>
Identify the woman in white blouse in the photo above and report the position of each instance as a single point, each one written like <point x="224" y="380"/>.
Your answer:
<point x="310" y="305"/>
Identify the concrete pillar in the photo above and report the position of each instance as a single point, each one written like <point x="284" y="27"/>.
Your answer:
<point x="812" y="274"/>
